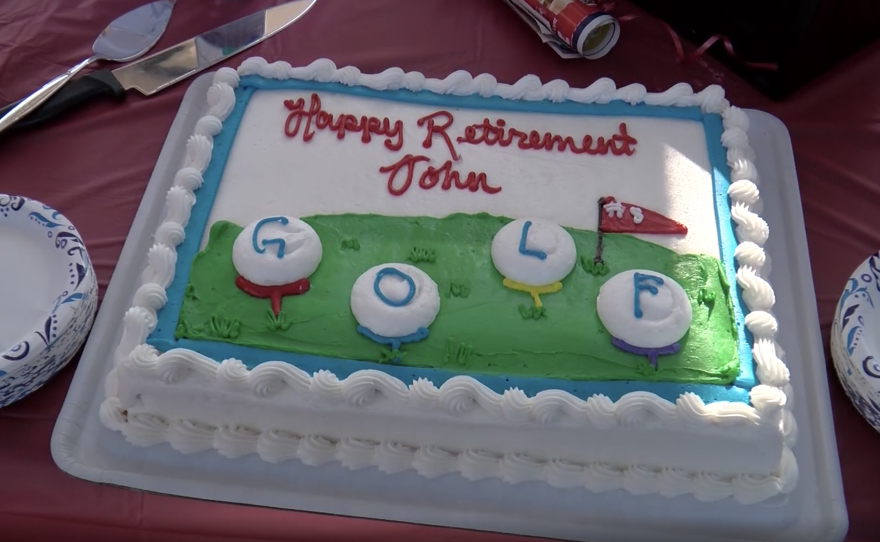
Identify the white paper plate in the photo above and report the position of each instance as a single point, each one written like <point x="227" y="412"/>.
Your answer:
<point x="855" y="346"/>
<point x="48" y="292"/>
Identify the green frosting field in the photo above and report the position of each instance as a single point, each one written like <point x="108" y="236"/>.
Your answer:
<point x="482" y="326"/>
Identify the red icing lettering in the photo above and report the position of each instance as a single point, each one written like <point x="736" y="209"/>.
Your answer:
<point x="440" y="129"/>
<point x="473" y="181"/>
<point x="625" y="140"/>
<point x="445" y="176"/>
<point x="401" y="174"/>
<point x="296" y="114"/>
<point x="300" y="117"/>
<point x="491" y="134"/>
<point x="409" y="163"/>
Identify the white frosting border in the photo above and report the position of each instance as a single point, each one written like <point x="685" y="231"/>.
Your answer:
<point x="770" y="401"/>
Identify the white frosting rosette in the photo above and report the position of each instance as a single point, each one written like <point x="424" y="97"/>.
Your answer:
<point x="644" y="308"/>
<point x="395" y="300"/>
<point x="533" y="252"/>
<point x="276" y="250"/>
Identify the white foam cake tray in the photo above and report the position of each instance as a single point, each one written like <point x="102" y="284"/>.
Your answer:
<point x="813" y="512"/>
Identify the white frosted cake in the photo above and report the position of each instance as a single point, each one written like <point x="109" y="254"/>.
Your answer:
<point x="530" y="282"/>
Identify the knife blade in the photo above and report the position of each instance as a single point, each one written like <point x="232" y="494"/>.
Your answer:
<point x="156" y="72"/>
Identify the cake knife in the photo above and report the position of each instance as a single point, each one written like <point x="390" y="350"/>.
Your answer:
<point x="126" y="38"/>
<point x="156" y="72"/>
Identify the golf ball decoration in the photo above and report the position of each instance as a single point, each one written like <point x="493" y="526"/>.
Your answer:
<point x="274" y="257"/>
<point x="533" y="255"/>
<point x="645" y="312"/>
<point x="394" y="303"/>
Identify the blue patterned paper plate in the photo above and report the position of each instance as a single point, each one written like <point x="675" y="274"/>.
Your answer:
<point x="48" y="292"/>
<point x="855" y="344"/>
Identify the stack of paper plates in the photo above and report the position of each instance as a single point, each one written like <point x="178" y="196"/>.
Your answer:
<point x="855" y="345"/>
<point x="48" y="295"/>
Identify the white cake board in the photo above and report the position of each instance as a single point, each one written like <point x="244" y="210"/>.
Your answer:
<point x="814" y="512"/>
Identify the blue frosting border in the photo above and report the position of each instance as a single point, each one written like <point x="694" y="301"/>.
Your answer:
<point x="162" y="336"/>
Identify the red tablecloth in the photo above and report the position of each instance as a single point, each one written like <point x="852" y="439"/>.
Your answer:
<point x="94" y="166"/>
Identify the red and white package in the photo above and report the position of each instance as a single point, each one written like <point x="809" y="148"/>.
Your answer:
<point x="574" y="28"/>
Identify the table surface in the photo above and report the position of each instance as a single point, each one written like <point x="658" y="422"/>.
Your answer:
<point x="95" y="164"/>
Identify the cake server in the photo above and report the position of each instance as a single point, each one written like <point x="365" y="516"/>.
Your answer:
<point x="156" y="72"/>
<point x="128" y="37"/>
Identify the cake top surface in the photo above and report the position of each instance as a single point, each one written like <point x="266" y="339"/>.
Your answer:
<point x="337" y="147"/>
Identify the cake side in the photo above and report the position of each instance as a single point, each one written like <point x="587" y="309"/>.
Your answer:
<point x="639" y="443"/>
<point x="768" y="415"/>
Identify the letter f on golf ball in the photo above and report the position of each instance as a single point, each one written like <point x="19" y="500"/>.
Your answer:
<point x="644" y="309"/>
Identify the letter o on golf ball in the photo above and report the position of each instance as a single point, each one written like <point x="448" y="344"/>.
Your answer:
<point x="406" y="307"/>
<point x="276" y="250"/>
<point x="542" y="236"/>
<point x="666" y="315"/>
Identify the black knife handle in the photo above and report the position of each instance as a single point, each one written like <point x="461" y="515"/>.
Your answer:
<point x="98" y="84"/>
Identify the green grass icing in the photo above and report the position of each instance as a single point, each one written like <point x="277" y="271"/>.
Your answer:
<point x="482" y="327"/>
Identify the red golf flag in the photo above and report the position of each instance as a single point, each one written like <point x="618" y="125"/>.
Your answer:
<point x="619" y="217"/>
